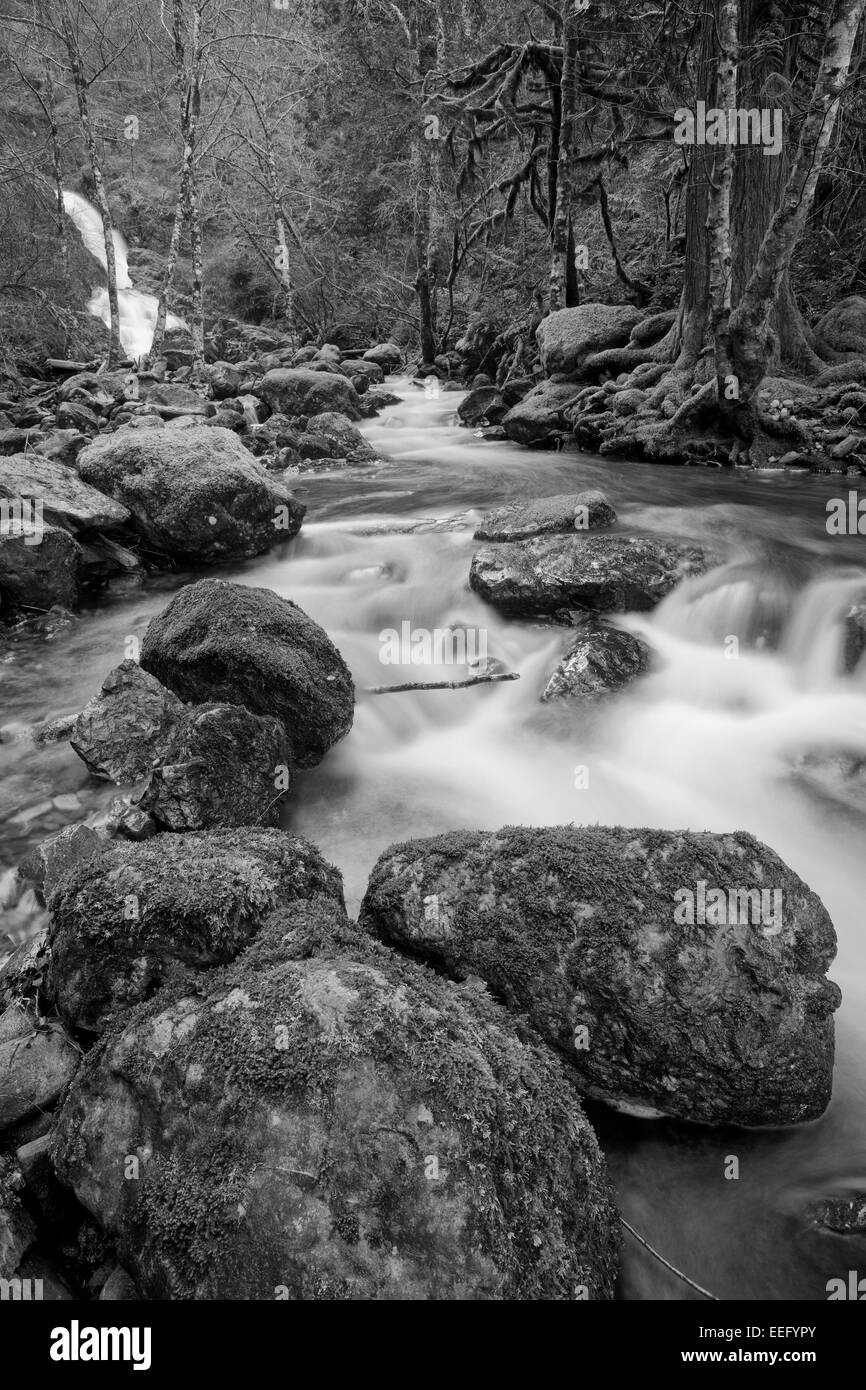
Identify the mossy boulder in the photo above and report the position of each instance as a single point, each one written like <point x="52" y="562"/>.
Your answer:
<point x="843" y="327"/>
<point x="247" y="646"/>
<point x="136" y="915"/>
<point x="585" y="931"/>
<point x="606" y="574"/>
<point x="303" y="391"/>
<point x="326" y="1121"/>
<point x="568" y="336"/>
<point x="193" y="493"/>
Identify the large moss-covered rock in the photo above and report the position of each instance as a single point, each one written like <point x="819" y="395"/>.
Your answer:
<point x="136" y="915"/>
<point x="843" y="327"/>
<point x="302" y="391"/>
<point x="326" y="1121"/>
<point x="248" y="646"/>
<point x="66" y="499"/>
<point x="568" y="336"/>
<point x="195" y="493"/>
<point x="586" y="931"/>
<point x="608" y="574"/>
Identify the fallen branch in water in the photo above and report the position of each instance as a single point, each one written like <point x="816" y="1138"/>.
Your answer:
<point x="442" y="685"/>
<point x="667" y="1264"/>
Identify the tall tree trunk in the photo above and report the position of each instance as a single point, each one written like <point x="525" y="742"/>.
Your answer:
<point x="420" y="179"/>
<point x="70" y="40"/>
<point x="171" y="259"/>
<point x="187" y="64"/>
<point x="57" y="172"/>
<point x="281" y="247"/>
<point x="769" y="45"/>
<point x="749" y="322"/>
<point x="719" y="205"/>
<point x="196" y="326"/>
<point x="563" y="280"/>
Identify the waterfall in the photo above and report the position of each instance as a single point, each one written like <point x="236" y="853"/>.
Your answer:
<point x="137" y="309"/>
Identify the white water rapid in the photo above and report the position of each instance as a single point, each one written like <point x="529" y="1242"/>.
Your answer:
<point x="766" y="741"/>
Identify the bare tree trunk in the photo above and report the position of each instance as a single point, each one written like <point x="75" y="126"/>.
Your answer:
<point x="76" y="67"/>
<point x="284" y="264"/>
<point x="188" y="64"/>
<point x="562" y="275"/>
<point x="197" y="256"/>
<point x="721" y="257"/>
<point x="171" y="260"/>
<point x="57" y="171"/>
<point x="748" y="326"/>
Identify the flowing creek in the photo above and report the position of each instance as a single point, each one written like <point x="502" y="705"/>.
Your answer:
<point x="703" y="741"/>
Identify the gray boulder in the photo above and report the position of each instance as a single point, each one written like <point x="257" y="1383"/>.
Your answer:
<point x="248" y="646"/>
<point x="568" y="336"/>
<point x="340" y="437"/>
<point x="362" y="374"/>
<point x="66" y="500"/>
<point x="139" y="915"/>
<point x="607" y="574"/>
<point x="226" y="767"/>
<point x="130" y="727"/>
<point x="387" y="355"/>
<point x="599" y="937"/>
<point x="598" y="661"/>
<point x="301" y="391"/>
<point x="546" y="516"/>
<point x="37" y="1062"/>
<point x="324" y="1120"/>
<point x="194" y="493"/>
<point x="540" y="416"/>
<point x="223" y="379"/>
<point x="843" y="327"/>
<point x="40" y="575"/>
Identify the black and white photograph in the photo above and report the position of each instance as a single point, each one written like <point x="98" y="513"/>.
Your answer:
<point x="432" y="671"/>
